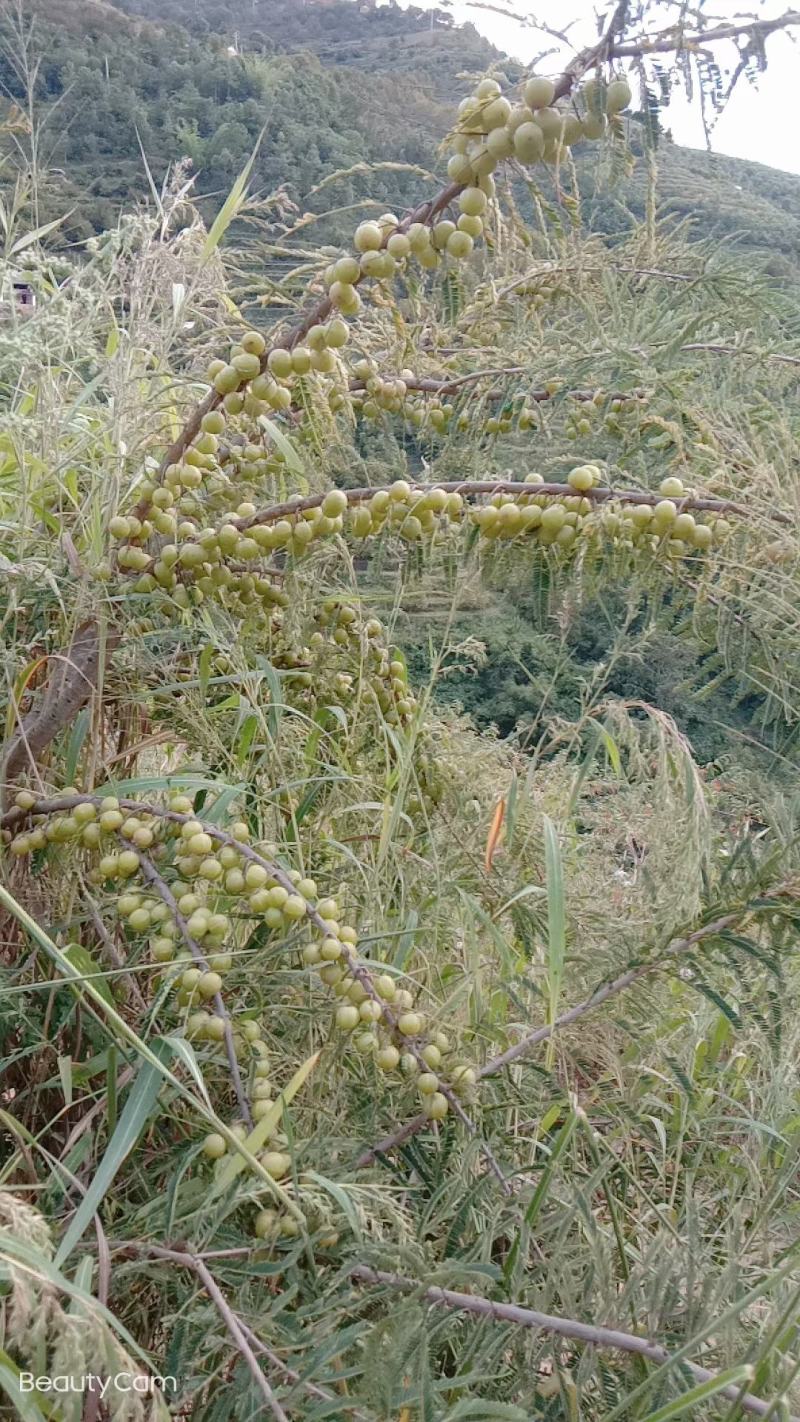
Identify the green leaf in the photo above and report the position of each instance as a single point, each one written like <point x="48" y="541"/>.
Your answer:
<point x="25" y="1404"/>
<point x="731" y="1377"/>
<point x="37" y="233"/>
<point x="204" y="668"/>
<point x="340" y="1195"/>
<point x="88" y="967"/>
<point x="263" y="1129"/>
<point x="287" y="449"/>
<point x="556" y="919"/>
<point x="75" y="746"/>
<point x="141" y="1099"/>
<point x="230" y="208"/>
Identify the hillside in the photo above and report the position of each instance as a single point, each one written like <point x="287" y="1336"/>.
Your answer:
<point x="164" y="73"/>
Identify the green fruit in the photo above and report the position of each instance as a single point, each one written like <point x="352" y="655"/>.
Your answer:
<point x="427" y="1083"/>
<point x="214" y="1146"/>
<point x="671" y="488"/>
<point x="495" y="114"/>
<point x="436" y="1106"/>
<point x="347" y="269"/>
<point x="487" y="89"/>
<point x="276" y="1163"/>
<point x="334" y="503"/>
<point x="301" y="360"/>
<point x="209" y="984"/>
<point x="410" y="1024"/>
<point x="529" y="143"/>
<point x="460" y="245"/>
<point x="500" y="143"/>
<point x="227" y="380"/>
<point x="336" y="334"/>
<point x="347" y="1016"/>
<point x="473" y="202"/>
<point x="551" y="122"/>
<point x="247" y="365"/>
<point x="665" y="512"/>
<point x="684" y="526"/>
<point x="618" y="96"/>
<point x="463" y="1078"/>
<point x="539" y="93"/>
<point x="472" y="225"/>
<point x="571" y="129"/>
<point x="582" y="478"/>
<point x="594" y="126"/>
<point x="441" y="233"/>
<point x="368" y="237"/>
<point x="459" y="168"/>
<point x="279" y="364"/>
<point x="553" y="517"/>
<point x="266" y="1224"/>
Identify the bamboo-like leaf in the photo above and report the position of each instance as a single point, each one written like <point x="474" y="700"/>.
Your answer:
<point x="230" y="208"/>
<point x="264" y="1128"/>
<point x="141" y="1099"/>
<point x="37" y="234"/>
<point x="731" y="1377"/>
<point x="556" y="920"/>
<point x="25" y="1404"/>
<point x="283" y="443"/>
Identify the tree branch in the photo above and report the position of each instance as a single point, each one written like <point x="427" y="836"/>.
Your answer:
<point x="542" y="1034"/>
<point x="593" y="1335"/>
<point x="233" y="1324"/>
<point x="73" y="681"/>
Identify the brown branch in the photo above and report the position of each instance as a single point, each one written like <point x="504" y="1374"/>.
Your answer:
<point x="73" y="681"/>
<point x="593" y="1335"/>
<point x="233" y="1324"/>
<point x="114" y="954"/>
<point x="541" y="1034"/>
<point x="151" y="874"/>
<point x="472" y="488"/>
<point x="673" y="40"/>
<point x="716" y="349"/>
<point x="431" y="386"/>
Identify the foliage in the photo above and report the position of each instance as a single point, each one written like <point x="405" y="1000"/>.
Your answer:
<point x="281" y="935"/>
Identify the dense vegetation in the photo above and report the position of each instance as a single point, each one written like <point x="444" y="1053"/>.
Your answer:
<point x="158" y="76"/>
<point x="359" y="1062"/>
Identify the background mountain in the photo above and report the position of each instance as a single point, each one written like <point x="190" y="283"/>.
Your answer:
<point x="163" y="73"/>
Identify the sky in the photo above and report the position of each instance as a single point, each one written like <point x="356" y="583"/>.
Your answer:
<point x="759" y="121"/>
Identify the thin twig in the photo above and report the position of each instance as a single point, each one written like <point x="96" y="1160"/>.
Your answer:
<point x="112" y="951"/>
<point x="592" y="1334"/>
<point x="229" y="1318"/>
<point x="541" y="1034"/>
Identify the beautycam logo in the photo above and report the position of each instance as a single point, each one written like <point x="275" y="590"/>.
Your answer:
<point x="141" y="1383"/>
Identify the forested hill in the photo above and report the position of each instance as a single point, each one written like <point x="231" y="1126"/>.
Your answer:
<point x="164" y="73"/>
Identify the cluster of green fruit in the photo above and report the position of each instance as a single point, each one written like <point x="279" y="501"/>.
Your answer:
<point x="252" y="381"/>
<point x="218" y="561"/>
<point x="207" y="881"/>
<point x="491" y="129"/>
<point x="560" y="522"/>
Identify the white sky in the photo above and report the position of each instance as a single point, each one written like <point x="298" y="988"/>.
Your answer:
<point x="759" y="123"/>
